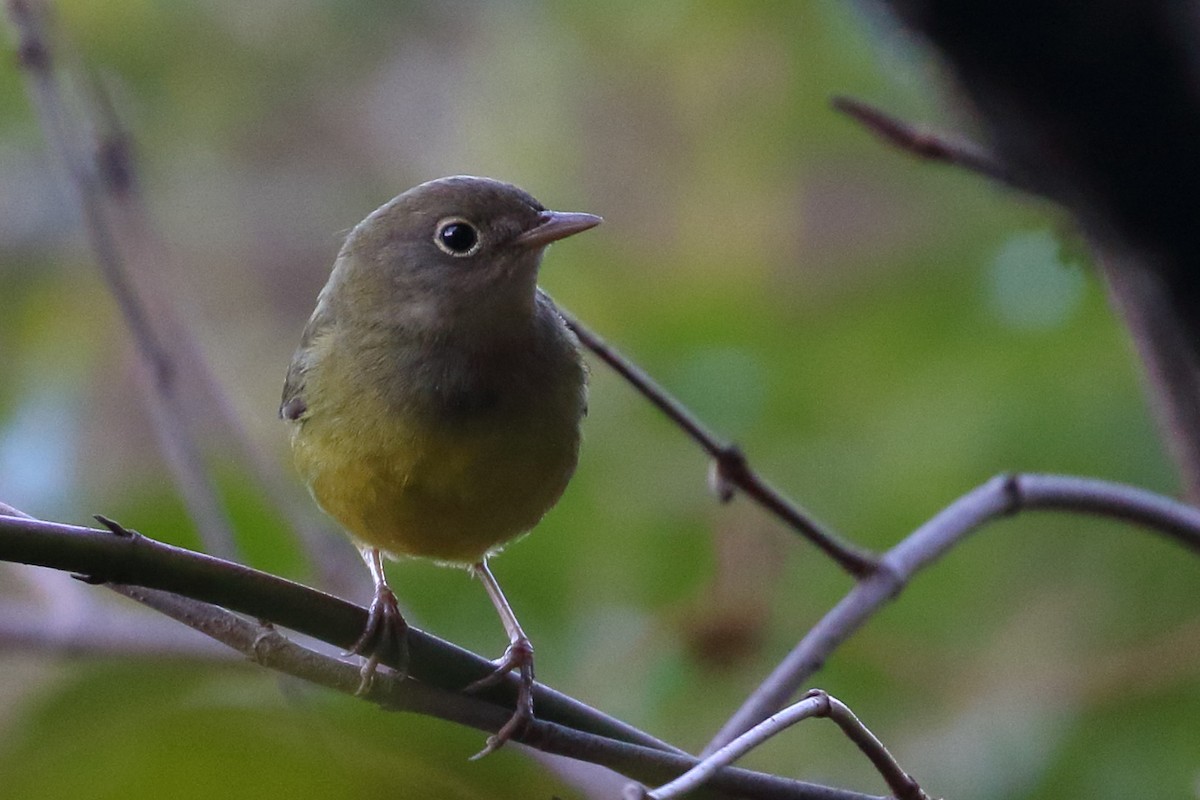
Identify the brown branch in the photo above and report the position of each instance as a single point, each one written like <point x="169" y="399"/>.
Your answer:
<point x="730" y="466"/>
<point x="924" y="144"/>
<point x="1002" y="496"/>
<point x="133" y="559"/>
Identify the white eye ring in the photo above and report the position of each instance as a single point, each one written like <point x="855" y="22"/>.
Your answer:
<point x="457" y="237"/>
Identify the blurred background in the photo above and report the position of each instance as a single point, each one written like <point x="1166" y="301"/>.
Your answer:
<point x="879" y="335"/>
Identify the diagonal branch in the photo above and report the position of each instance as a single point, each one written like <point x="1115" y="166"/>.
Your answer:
<point x="146" y="253"/>
<point x="264" y="645"/>
<point x="1094" y="106"/>
<point x="730" y="466"/>
<point x="30" y="628"/>
<point x="1003" y="496"/>
<point x="927" y="145"/>
<point x="1141" y="298"/>
<point x="133" y="559"/>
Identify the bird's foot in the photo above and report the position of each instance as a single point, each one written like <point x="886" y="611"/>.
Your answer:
<point x="385" y="637"/>
<point x="518" y="656"/>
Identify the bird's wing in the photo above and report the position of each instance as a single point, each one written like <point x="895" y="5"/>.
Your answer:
<point x="293" y="406"/>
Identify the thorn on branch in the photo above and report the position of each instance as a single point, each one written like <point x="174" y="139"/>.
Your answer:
<point x="117" y="528"/>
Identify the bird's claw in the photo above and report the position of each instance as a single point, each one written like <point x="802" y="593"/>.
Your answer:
<point x="518" y="656"/>
<point x="385" y="636"/>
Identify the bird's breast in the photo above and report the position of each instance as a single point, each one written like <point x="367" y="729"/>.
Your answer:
<point x="441" y="455"/>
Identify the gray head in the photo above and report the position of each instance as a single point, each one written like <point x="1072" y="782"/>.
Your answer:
<point x="460" y="251"/>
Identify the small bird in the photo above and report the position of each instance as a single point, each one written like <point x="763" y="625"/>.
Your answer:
<point x="436" y="395"/>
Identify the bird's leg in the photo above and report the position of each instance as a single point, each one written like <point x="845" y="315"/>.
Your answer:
<point x="386" y="632"/>
<point x="518" y="656"/>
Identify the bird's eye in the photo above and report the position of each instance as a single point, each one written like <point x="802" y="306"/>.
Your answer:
<point x="457" y="237"/>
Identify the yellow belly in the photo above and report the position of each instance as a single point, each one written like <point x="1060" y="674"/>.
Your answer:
<point x="433" y="491"/>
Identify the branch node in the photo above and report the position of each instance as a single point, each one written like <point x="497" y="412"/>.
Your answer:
<point x="113" y="159"/>
<point x="265" y="640"/>
<point x="32" y="52"/>
<point x="1012" y="492"/>
<point x="33" y="55"/>
<point x="727" y="467"/>
<point x="824" y="705"/>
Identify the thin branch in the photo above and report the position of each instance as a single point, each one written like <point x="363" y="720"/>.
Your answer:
<point x="1140" y="296"/>
<point x="1002" y="496"/>
<point x="133" y="559"/>
<point x="730" y="467"/>
<point x="564" y="726"/>
<point x="926" y="145"/>
<point x="264" y="645"/>
<point x="146" y="254"/>
<point x="816" y="703"/>
<point x="903" y="786"/>
<point x="87" y="190"/>
<point x="1067" y="95"/>
<point x="102" y="632"/>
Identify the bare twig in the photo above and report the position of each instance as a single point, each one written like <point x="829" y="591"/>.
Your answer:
<point x="1138" y="293"/>
<point x="1002" y="496"/>
<point x="263" y="644"/>
<point x="87" y="189"/>
<point x="730" y="467"/>
<point x="1067" y="95"/>
<point x="10" y="511"/>
<point x="266" y="646"/>
<point x="816" y="703"/>
<point x="103" y="632"/>
<point x="146" y="254"/>
<point x="926" y="145"/>
<point x="903" y="786"/>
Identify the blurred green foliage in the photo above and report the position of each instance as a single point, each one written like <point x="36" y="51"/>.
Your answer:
<point x="880" y="335"/>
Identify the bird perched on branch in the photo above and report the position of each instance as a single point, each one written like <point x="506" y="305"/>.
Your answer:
<point x="436" y="395"/>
